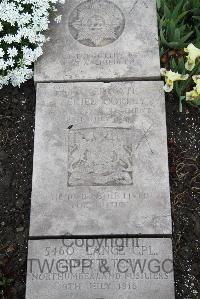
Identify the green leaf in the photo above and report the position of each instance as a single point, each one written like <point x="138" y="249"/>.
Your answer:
<point x="177" y="9"/>
<point x="162" y="37"/>
<point x="177" y="34"/>
<point x="186" y="37"/>
<point x="158" y="2"/>
<point x="181" y="16"/>
<point x="166" y="11"/>
<point x="196" y="17"/>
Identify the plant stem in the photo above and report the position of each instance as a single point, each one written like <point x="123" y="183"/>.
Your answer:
<point x="180" y="105"/>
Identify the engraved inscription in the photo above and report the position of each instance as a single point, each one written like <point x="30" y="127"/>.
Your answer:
<point x="103" y="268"/>
<point x="96" y="23"/>
<point x="100" y="157"/>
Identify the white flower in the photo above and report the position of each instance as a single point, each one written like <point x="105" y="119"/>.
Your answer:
<point x="12" y="52"/>
<point x="3" y="65"/>
<point x="10" y="62"/>
<point x="38" y="52"/>
<point x="4" y="81"/>
<point x="20" y="75"/>
<point x="1" y="52"/>
<point x="24" y="19"/>
<point x="58" y="19"/>
<point x="23" y="42"/>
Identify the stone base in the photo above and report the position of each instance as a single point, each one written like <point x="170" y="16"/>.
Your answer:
<point x="100" y="269"/>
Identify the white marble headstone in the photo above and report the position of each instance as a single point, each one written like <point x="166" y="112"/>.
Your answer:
<point x="102" y="40"/>
<point x="100" y="160"/>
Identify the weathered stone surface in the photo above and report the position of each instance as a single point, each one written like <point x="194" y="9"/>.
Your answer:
<point x="100" y="269"/>
<point x="102" y="40"/>
<point x="100" y="160"/>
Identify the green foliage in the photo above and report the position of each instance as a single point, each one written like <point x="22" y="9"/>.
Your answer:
<point x="179" y="23"/>
<point x="181" y="87"/>
<point x="179" y="26"/>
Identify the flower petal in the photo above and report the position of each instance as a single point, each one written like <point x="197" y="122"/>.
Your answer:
<point x="168" y="87"/>
<point x="196" y="78"/>
<point x="192" y="95"/>
<point x="193" y="54"/>
<point x="176" y="76"/>
<point x="190" y="65"/>
<point x="189" y="96"/>
<point x="163" y="72"/>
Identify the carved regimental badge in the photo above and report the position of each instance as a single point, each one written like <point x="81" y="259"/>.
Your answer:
<point x="100" y="157"/>
<point x="96" y="23"/>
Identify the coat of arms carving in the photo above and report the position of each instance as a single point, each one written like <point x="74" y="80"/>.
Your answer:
<point x="100" y="157"/>
<point x="96" y="23"/>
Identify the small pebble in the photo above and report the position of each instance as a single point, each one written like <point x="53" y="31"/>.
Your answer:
<point x="19" y="229"/>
